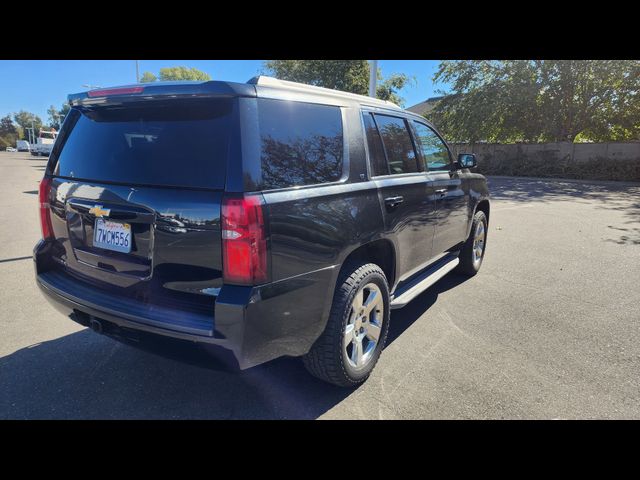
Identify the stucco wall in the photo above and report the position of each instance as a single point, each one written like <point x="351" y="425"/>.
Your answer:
<point x="601" y="161"/>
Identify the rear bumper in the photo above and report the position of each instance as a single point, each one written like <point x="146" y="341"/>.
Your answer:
<point x="256" y="324"/>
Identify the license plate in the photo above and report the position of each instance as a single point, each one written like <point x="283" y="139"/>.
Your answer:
<point x="112" y="235"/>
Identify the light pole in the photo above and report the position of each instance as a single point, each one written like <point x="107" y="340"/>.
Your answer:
<point x="137" y="71"/>
<point x="373" y="77"/>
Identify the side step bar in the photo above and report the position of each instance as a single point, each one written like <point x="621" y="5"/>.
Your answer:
<point x="423" y="281"/>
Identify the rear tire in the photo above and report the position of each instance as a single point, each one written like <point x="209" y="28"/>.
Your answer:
<point x="472" y="252"/>
<point x="356" y="331"/>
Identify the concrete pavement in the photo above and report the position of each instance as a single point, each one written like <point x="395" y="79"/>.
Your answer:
<point x="549" y="328"/>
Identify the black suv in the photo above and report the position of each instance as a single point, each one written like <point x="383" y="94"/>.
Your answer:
<point x="270" y="218"/>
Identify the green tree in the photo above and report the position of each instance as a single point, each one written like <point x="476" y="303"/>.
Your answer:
<point x="56" y="117"/>
<point x="171" y="74"/>
<point x="182" y="73"/>
<point x="26" y="120"/>
<point x="346" y="75"/>
<point x="148" y="77"/>
<point x="8" y="132"/>
<point x="52" y="112"/>
<point x="389" y="87"/>
<point x="539" y="100"/>
<point x="64" y="111"/>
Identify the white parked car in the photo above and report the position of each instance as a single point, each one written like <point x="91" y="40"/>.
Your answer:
<point x="11" y="149"/>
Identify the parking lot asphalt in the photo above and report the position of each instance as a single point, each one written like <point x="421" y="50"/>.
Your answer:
<point x="549" y="328"/>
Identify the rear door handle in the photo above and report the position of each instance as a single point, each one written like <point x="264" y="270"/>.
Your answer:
<point x="441" y="191"/>
<point x="394" y="201"/>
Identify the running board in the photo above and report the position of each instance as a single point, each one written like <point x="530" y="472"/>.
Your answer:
<point x="424" y="281"/>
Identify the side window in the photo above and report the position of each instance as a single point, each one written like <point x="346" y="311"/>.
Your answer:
<point x="301" y="143"/>
<point x="398" y="146"/>
<point x="374" y="142"/>
<point x="434" y="151"/>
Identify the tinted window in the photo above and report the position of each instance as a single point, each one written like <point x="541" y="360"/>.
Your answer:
<point x="397" y="144"/>
<point x="434" y="151"/>
<point x="374" y="142"/>
<point x="301" y="143"/>
<point x="168" y="143"/>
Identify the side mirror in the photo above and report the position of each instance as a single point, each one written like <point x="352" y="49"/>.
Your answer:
<point x="467" y="160"/>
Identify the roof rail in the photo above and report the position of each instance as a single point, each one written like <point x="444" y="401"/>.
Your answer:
<point x="265" y="81"/>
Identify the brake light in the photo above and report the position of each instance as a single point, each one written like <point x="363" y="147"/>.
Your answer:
<point x="45" y="214"/>
<point x="244" y="243"/>
<point x="114" y="91"/>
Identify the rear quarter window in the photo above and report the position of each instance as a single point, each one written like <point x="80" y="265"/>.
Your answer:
<point x="169" y="143"/>
<point x="301" y="143"/>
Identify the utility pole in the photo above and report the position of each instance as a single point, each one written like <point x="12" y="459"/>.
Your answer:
<point x="373" y="77"/>
<point x="137" y="71"/>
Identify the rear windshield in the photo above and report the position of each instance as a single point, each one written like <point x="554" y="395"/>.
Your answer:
<point x="173" y="143"/>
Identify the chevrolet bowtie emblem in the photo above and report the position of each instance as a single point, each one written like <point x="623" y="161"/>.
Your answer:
<point x="98" y="211"/>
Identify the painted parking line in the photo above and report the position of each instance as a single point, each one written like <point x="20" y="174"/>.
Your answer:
<point x="15" y="259"/>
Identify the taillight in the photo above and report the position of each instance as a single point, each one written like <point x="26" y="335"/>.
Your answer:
<point x="114" y="91"/>
<point x="244" y="243"/>
<point x="45" y="213"/>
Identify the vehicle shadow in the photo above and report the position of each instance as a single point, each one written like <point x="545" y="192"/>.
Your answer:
<point x="402" y="319"/>
<point x="88" y="376"/>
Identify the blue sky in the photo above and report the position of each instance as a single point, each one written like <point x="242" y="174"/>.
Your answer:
<point x="34" y="85"/>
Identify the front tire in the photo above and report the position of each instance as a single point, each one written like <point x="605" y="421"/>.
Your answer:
<point x="349" y="348"/>
<point x="472" y="252"/>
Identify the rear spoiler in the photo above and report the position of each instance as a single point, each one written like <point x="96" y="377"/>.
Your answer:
<point x="160" y="90"/>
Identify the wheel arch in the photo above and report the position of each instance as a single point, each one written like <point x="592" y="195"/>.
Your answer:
<point x="484" y="206"/>
<point x="381" y="251"/>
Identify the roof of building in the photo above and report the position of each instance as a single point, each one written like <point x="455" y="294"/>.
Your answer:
<point x="425" y="106"/>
